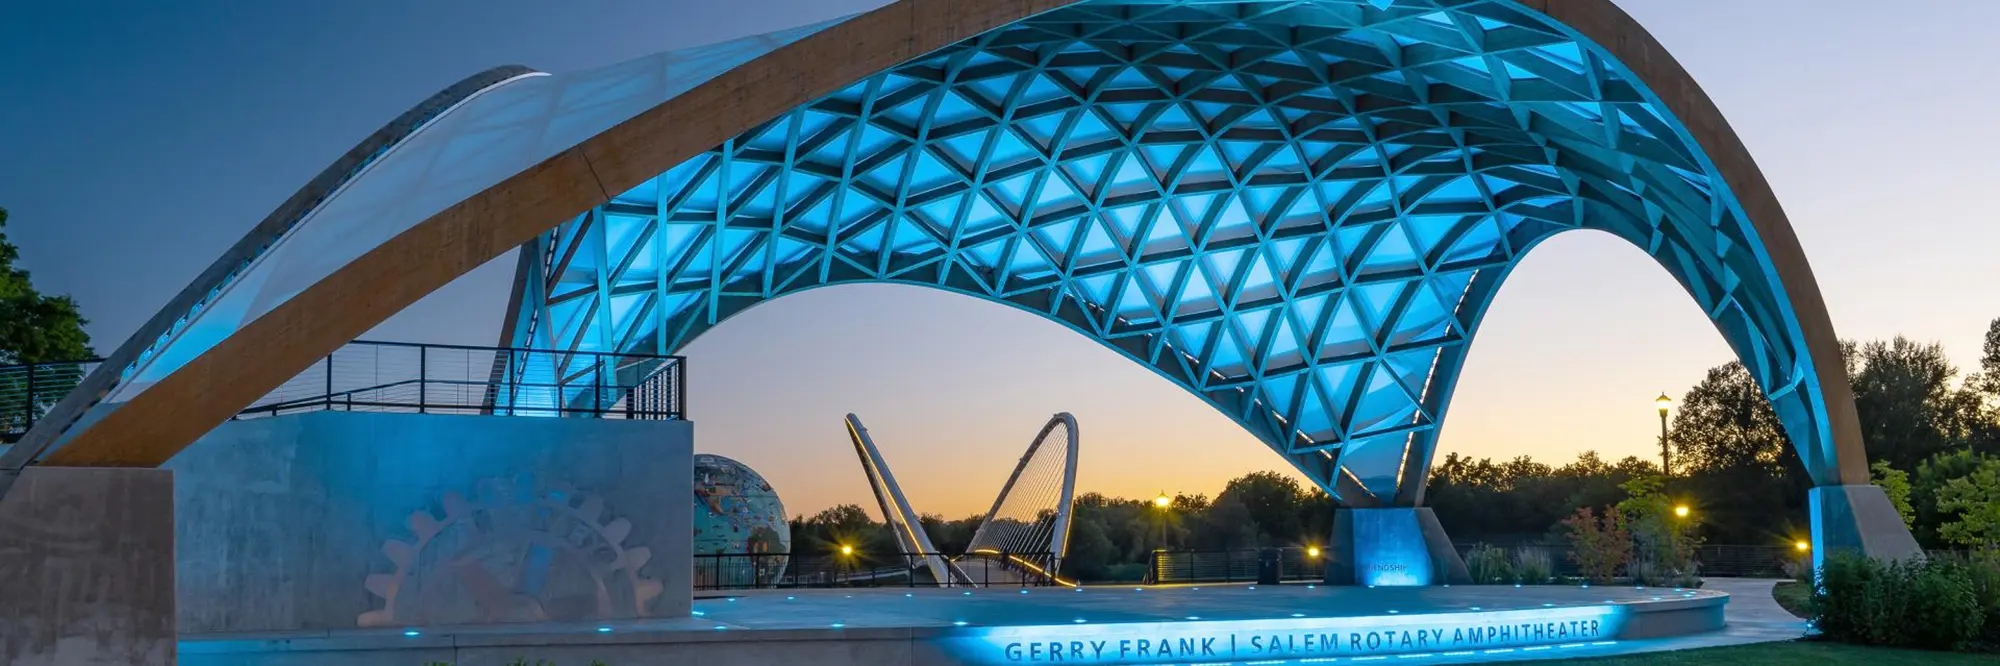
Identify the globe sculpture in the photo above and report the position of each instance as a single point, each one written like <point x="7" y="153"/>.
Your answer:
<point x="740" y="533"/>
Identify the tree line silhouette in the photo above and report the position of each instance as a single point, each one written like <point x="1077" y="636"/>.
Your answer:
<point x="1934" y="439"/>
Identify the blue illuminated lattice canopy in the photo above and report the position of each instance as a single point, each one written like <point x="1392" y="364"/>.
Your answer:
<point x="1296" y="210"/>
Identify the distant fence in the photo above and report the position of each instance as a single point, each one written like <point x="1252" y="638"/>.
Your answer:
<point x="1165" y="567"/>
<point x="1301" y="564"/>
<point x="747" y="571"/>
<point x="1733" y="561"/>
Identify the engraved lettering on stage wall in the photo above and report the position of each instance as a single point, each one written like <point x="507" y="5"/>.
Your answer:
<point x="1290" y="638"/>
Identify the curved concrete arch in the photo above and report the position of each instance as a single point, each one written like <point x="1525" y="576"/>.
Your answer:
<point x="1586" y="119"/>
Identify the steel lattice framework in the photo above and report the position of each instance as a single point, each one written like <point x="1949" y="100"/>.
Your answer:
<point x="1297" y="210"/>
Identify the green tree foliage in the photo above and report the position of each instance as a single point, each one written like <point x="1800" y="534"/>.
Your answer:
<point x="35" y="328"/>
<point x="847" y="524"/>
<point x="950" y="536"/>
<point x="1973" y="501"/>
<point x="1273" y="502"/>
<point x="1983" y="396"/>
<point x="1228" y="524"/>
<point x="1520" y="499"/>
<point x="1726" y="424"/>
<point x="1903" y="394"/>
<point x="1929" y="480"/>
<point x="1091" y="552"/>
<point x="1663" y="540"/>
<point x="1896" y="484"/>
<point x="1734" y="456"/>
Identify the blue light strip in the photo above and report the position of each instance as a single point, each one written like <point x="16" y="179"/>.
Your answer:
<point x="1355" y="638"/>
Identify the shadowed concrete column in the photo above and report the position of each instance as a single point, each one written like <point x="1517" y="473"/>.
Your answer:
<point x="1858" y="519"/>
<point x="87" y="560"/>
<point x="1402" y="546"/>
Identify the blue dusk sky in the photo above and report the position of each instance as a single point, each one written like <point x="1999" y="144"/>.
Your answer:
<point x="140" y="139"/>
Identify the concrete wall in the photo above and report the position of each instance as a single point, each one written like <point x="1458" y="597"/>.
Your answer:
<point x="86" y="567"/>
<point x="332" y="520"/>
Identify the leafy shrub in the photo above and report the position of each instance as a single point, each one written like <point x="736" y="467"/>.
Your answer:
<point x="1982" y="570"/>
<point x="1533" y="566"/>
<point x="1929" y="604"/>
<point x="1600" y="547"/>
<point x="1489" y="565"/>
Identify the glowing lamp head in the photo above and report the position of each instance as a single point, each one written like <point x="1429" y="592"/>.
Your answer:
<point x="1312" y="551"/>
<point x="1681" y="511"/>
<point x="1802" y="545"/>
<point x="846" y="549"/>
<point x="1162" y="501"/>
<point x="1664" y="403"/>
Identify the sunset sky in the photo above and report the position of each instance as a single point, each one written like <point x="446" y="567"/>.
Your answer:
<point x="139" y="139"/>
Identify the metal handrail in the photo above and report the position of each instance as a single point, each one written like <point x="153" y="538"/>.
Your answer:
<point x="659" y="393"/>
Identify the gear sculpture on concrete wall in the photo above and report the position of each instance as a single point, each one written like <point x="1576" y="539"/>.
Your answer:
<point x="515" y="552"/>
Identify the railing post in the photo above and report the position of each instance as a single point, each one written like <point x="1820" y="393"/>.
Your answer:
<point x="597" y="390"/>
<point x="423" y="379"/>
<point x="677" y="403"/>
<point x="329" y="382"/>
<point x="29" y="406"/>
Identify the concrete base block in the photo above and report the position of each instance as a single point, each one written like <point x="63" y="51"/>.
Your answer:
<point x="336" y="520"/>
<point x="1858" y="519"/>
<point x="1392" y="547"/>
<point x="87" y="556"/>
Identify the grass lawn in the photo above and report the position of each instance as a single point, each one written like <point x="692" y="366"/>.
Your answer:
<point x="1792" y="653"/>
<point x="1794" y="596"/>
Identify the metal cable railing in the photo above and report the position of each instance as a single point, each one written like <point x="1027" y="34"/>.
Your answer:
<point x="420" y="378"/>
<point x="506" y="381"/>
<point x="29" y="390"/>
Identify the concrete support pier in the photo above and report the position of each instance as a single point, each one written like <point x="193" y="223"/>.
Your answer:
<point x="1858" y="519"/>
<point x="87" y="560"/>
<point x="1392" y="547"/>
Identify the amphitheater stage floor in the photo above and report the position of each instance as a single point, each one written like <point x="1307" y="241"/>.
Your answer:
<point x="1240" y="624"/>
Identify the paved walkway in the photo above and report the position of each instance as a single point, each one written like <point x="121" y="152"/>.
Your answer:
<point x="1052" y="606"/>
<point x="1753" y="617"/>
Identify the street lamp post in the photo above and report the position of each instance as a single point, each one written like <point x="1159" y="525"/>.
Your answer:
<point x="1162" y="503"/>
<point x="1666" y="461"/>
